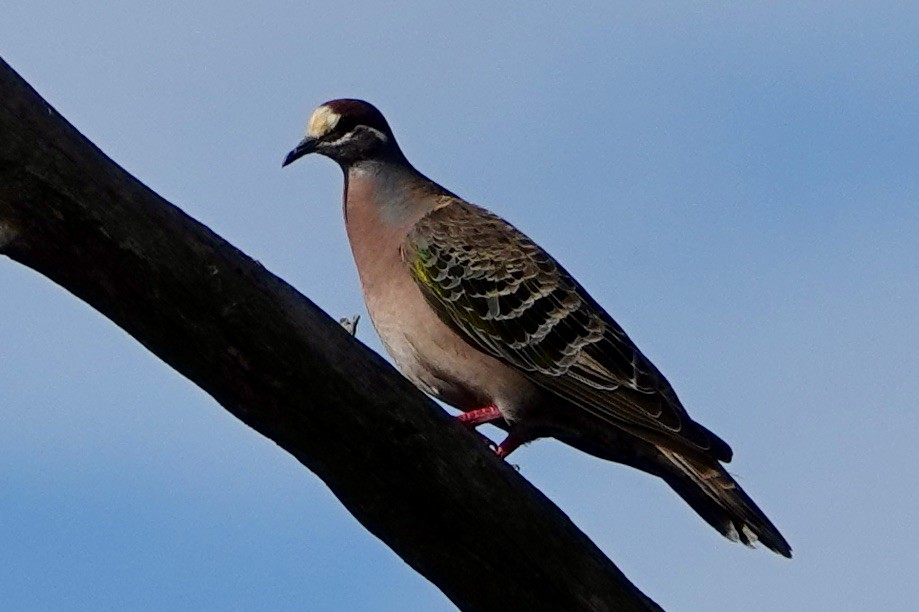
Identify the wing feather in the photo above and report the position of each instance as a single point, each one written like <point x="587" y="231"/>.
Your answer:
<point x="505" y="295"/>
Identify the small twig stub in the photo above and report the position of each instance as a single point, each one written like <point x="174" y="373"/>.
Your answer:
<point x="350" y="323"/>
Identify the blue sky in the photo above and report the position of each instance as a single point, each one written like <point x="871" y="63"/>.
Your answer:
<point x="737" y="185"/>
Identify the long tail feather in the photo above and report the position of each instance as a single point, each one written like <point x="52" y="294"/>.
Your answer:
<point x="718" y="499"/>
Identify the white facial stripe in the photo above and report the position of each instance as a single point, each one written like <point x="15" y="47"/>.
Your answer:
<point x="322" y="122"/>
<point x="340" y="140"/>
<point x="380" y="135"/>
<point x="346" y="137"/>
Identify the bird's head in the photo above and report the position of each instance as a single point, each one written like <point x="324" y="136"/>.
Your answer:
<point x="347" y="131"/>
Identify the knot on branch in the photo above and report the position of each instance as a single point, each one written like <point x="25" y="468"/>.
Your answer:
<point x="8" y="234"/>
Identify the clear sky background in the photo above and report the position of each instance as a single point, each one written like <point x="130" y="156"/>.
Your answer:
<point x="737" y="185"/>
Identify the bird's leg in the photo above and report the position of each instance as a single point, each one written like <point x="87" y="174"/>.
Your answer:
<point x="474" y="418"/>
<point x="479" y="416"/>
<point x="513" y="440"/>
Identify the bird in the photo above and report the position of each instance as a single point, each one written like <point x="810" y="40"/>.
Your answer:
<point x="477" y="315"/>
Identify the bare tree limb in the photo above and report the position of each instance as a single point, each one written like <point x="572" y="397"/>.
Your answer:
<point x="454" y="512"/>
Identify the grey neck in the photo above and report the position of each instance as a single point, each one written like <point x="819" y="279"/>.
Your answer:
<point x="400" y="194"/>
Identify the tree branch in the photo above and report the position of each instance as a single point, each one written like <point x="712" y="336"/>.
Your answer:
<point x="454" y="512"/>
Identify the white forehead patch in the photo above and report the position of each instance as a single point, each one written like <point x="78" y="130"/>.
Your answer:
<point x="322" y="122"/>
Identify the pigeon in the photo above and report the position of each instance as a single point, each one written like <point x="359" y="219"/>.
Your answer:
<point x="479" y="316"/>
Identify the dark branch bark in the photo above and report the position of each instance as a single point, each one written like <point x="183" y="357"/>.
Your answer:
<point x="457" y="514"/>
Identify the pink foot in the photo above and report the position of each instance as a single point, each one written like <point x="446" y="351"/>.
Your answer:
<point x="511" y="443"/>
<point x="474" y="418"/>
<point x="477" y="417"/>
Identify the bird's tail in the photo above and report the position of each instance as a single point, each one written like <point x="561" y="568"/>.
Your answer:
<point x="717" y="498"/>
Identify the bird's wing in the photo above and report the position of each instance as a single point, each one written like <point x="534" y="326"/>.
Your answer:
<point x="505" y="295"/>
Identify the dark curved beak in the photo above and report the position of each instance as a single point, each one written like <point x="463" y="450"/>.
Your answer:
<point x="305" y="147"/>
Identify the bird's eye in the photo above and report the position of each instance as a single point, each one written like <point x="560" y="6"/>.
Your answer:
<point x="342" y="127"/>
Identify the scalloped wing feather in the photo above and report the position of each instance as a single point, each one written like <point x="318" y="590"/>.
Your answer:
<point x="505" y="295"/>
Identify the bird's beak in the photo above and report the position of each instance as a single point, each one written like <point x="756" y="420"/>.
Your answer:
<point x="305" y="147"/>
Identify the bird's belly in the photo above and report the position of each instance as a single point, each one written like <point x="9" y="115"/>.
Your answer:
<point x="443" y="381"/>
<point x="443" y="365"/>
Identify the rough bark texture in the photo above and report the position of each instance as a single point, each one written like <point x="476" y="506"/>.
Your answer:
<point x="454" y="512"/>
